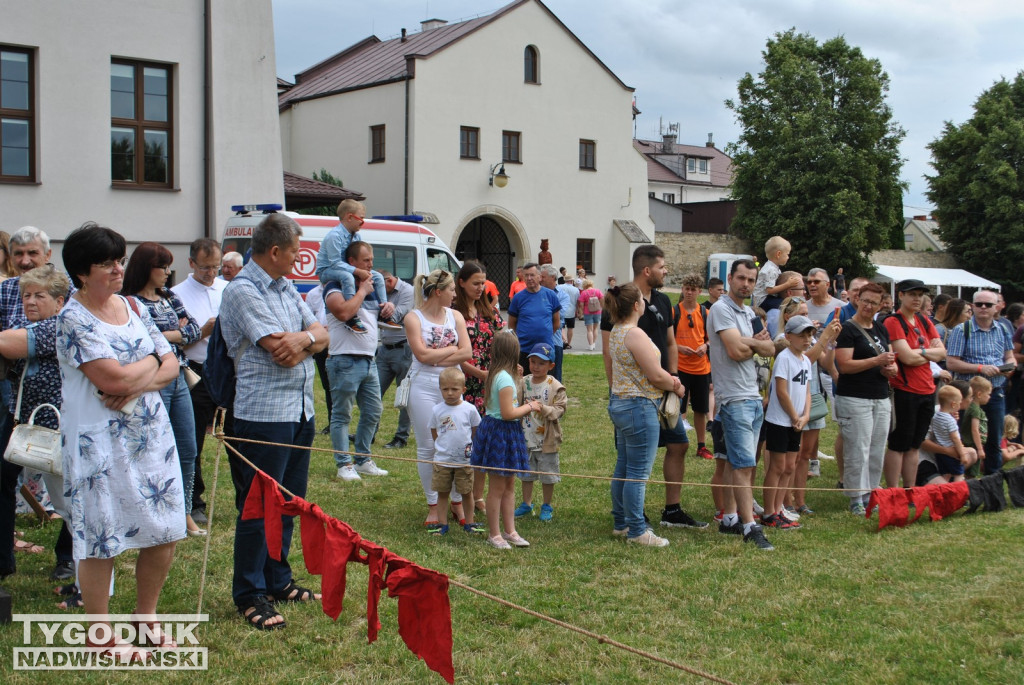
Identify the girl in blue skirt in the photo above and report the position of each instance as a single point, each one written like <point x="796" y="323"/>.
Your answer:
<point x="499" y="441"/>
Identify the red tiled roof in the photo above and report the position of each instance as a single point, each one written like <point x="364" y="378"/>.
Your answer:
<point x="721" y="163"/>
<point x="301" y="192"/>
<point x="372" y="62"/>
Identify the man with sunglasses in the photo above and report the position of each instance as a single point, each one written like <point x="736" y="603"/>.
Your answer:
<point x="978" y="347"/>
<point x="649" y="273"/>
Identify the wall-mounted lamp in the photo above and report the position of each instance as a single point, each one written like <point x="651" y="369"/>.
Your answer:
<point x="499" y="179"/>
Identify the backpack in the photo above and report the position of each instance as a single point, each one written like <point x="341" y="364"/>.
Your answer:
<point x="219" y="369"/>
<point x="594" y="304"/>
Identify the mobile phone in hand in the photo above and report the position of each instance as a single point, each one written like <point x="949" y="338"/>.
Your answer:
<point x="756" y="324"/>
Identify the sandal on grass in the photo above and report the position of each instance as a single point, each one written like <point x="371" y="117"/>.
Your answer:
<point x="151" y="634"/>
<point x="122" y="652"/>
<point x="293" y="593"/>
<point x="257" y="611"/>
<point x="28" y="547"/>
<point x="74" y="601"/>
<point x="65" y="590"/>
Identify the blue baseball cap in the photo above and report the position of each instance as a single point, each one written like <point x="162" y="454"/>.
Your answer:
<point x="544" y="351"/>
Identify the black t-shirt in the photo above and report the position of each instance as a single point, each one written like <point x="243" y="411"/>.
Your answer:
<point x="869" y="384"/>
<point x="656" y="322"/>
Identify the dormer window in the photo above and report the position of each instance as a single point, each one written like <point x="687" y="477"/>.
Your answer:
<point x="531" y="65"/>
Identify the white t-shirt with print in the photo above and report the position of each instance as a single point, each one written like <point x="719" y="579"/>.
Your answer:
<point x="797" y="373"/>
<point x="454" y="426"/>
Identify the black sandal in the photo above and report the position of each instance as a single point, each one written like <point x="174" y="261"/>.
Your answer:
<point x="74" y="601"/>
<point x="261" y="612"/>
<point x="293" y="593"/>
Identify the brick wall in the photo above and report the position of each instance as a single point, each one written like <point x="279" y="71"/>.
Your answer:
<point x="688" y="252"/>
<point x="928" y="260"/>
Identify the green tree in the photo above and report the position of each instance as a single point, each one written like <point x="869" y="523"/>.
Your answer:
<point x="978" y="188"/>
<point x="818" y="159"/>
<point x="324" y="210"/>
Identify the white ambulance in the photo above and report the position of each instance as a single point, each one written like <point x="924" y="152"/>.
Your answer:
<point x="402" y="247"/>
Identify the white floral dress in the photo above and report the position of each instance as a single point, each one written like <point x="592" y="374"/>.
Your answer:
<point x="122" y="480"/>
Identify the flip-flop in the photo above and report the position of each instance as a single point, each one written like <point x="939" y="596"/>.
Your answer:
<point x="28" y="547"/>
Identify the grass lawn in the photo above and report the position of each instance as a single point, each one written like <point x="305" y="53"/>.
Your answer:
<point x="835" y="602"/>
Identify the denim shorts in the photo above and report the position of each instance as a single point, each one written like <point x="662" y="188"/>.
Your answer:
<point x="741" y="426"/>
<point x="592" y="319"/>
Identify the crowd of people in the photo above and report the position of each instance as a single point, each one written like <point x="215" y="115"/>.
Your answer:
<point x="922" y="394"/>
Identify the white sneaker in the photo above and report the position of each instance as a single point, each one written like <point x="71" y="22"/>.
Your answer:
<point x="390" y="325"/>
<point x="368" y="468"/>
<point x="515" y="540"/>
<point x="790" y="513"/>
<point x="648" y="539"/>
<point x="498" y="542"/>
<point x="758" y="509"/>
<point x="813" y="468"/>
<point x="826" y="457"/>
<point x="346" y="472"/>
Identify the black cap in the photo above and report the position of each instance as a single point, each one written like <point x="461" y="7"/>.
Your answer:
<point x="910" y="284"/>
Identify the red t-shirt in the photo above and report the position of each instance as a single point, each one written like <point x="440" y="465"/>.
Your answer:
<point x="915" y="379"/>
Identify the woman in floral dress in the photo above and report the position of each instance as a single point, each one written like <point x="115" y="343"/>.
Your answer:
<point x="120" y="460"/>
<point x="483" y="321"/>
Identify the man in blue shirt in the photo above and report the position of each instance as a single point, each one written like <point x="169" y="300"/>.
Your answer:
<point x="534" y="314"/>
<point x="978" y="347"/>
<point x="549" y="281"/>
<point x="271" y="335"/>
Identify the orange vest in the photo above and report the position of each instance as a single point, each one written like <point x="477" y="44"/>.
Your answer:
<point x="692" y="337"/>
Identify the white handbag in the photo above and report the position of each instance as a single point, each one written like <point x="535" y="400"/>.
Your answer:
<point x="32" y="446"/>
<point x="402" y="393"/>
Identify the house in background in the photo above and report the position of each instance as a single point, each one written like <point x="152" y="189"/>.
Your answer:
<point x="920" y="234"/>
<point x="150" y="118"/>
<point x="505" y="128"/>
<point x="688" y="186"/>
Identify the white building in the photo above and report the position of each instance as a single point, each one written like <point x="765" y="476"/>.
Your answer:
<point x="420" y="123"/>
<point x="105" y="116"/>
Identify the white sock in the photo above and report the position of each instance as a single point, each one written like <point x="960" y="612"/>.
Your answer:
<point x="730" y="519"/>
<point x="747" y="527"/>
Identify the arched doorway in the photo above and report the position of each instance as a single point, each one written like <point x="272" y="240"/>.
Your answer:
<point x="485" y="240"/>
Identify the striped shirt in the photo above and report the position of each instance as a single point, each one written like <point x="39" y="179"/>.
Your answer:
<point x="981" y="347"/>
<point x="254" y="306"/>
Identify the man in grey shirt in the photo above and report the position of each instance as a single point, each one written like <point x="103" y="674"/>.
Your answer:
<point x="733" y="344"/>
<point x="394" y="356"/>
<point x="820" y="305"/>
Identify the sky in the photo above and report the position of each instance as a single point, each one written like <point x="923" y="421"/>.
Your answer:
<point x="684" y="58"/>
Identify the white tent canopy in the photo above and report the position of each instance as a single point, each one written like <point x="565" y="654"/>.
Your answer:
<point x="941" y="278"/>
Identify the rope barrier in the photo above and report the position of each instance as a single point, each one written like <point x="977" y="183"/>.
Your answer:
<point x="601" y="639"/>
<point x="226" y="438"/>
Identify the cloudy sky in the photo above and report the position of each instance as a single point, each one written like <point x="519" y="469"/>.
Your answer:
<point x="685" y="57"/>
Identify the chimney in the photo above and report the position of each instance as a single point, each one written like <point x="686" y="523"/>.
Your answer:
<point x="428" y="24"/>
<point x="711" y="141"/>
<point x="403" y="35"/>
<point x="920" y="217"/>
<point x="668" y="143"/>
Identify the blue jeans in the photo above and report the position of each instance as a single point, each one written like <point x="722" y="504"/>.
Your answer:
<point x="636" y="444"/>
<point x="995" y="410"/>
<point x="348" y="284"/>
<point x="255" y="573"/>
<point x="178" y="403"/>
<point x="741" y="425"/>
<point x="393" y="365"/>
<point x="353" y="379"/>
